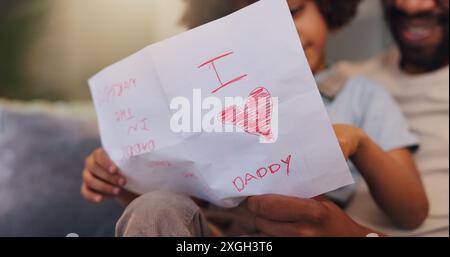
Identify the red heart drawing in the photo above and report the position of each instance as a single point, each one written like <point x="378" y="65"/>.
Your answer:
<point x="256" y="116"/>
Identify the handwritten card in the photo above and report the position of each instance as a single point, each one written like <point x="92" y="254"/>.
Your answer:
<point x="221" y="112"/>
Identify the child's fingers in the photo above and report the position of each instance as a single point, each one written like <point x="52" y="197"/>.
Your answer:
<point x="99" y="185"/>
<point x="103" y="160"/>
<point x="90" y="195"/>
<point x="116" y="179"/>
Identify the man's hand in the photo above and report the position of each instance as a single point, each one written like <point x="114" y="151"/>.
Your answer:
<point x="350" y="138"/>
<point x="102" y="179"/>
<point x="278" y="215"/>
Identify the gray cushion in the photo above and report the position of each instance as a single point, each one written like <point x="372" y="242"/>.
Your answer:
<point x="41" y="158"/>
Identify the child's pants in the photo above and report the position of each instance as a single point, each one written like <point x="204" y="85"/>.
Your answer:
<point x="161" y="213"/>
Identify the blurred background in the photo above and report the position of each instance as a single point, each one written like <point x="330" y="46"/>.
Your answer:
<point x="49" y="48"/>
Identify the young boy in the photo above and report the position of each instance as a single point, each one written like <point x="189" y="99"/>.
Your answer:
<point x="376" y="139"/>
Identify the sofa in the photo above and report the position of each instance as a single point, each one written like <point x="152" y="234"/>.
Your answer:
<point x="42" y="151"/>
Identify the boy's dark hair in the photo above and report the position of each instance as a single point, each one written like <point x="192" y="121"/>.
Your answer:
<point x="337" y="13"/>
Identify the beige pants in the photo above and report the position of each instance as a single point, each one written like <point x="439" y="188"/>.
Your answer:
<point x="161" y="213"/>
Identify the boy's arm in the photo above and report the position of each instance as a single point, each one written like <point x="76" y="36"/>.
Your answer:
<point x="394" y="182"/>
<point x="392" y="177"/>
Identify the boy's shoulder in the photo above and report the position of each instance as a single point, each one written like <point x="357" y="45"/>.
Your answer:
<point x="378" y="65"/>
<point x="364" y="85"/>
<point x="340" y="84"/>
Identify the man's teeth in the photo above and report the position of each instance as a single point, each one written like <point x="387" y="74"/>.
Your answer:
<point x="418" y="30"/>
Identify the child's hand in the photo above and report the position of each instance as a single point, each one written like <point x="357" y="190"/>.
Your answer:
<point x="350" y="138"/>
<point x="101" y="178"/>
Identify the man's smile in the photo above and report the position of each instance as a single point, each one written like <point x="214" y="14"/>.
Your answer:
<point x="418" y="31"/>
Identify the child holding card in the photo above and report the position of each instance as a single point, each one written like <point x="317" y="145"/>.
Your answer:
<point x="375" y="138"/>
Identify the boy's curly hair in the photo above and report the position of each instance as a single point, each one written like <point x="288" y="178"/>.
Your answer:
<point x="337" y="13"/>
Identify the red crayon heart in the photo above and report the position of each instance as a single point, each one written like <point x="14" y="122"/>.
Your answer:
<point x="255" y="117"/>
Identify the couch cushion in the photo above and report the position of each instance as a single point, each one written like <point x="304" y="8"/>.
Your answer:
<point x="42" y="153"/>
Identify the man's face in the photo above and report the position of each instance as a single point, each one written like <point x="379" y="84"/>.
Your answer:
<point x="420" y="28"/>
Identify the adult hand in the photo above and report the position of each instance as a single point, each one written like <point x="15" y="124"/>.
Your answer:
<point x="278" y="215"/>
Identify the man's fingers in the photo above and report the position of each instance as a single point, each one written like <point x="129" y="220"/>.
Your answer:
<point x="90" y="195"/>
<point x="103" y="160"/>
<point x="282" y="229"/>
<point x="99" y="185"/>
<point x="284" y="208"/>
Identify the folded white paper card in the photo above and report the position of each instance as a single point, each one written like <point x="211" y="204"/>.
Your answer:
<point x="224" y="111"/>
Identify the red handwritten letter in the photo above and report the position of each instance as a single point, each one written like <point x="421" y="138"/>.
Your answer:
<point x="288" y="164"/>
<point x="213" y="64"/>
<point x="239" y="186"/>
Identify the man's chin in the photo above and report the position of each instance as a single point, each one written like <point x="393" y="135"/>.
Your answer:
<point x="428" y="54"/>
<point x="424" y="57"/>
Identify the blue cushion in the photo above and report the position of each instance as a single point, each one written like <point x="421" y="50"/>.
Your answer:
<point x="41" y="159"/>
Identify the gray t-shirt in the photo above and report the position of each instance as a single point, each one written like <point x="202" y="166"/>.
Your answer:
<point x="362" y="103"/>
